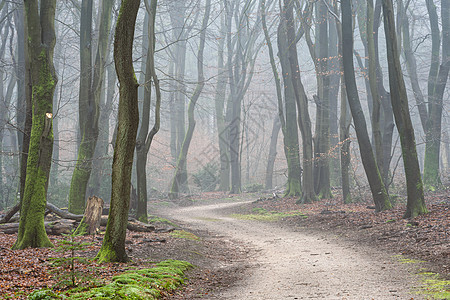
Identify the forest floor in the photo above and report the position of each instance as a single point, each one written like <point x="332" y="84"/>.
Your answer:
<point x="230" y="251"/>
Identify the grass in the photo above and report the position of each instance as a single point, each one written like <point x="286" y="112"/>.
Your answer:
<point x="431" y="284"/>
<point x="261" y="214"/>
<point x="181" y="234"/>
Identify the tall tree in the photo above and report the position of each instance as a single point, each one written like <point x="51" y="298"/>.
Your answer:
<point x="322" y="132"/>
<point x="145" y="138"/>
<point x="379" y="194"/>
<point x="437" y="81"/>
<point x="40" y="17"/>
<point x="180" y="177"/>
<point x="415" y="203"/>
<point x="113" y="246"/>
<point x="91" y="84"/>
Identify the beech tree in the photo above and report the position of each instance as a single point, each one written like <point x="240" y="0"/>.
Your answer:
<point x="179" y="181"/>
<point x="113" y="246"/>
<point x="91" y="83"/>
<point x="379" y="194"/>
<point x="415" y="203"/>
<point x="40" y="17"/>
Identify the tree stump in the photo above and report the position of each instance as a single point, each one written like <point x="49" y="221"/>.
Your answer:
<point x="92" y="216"/>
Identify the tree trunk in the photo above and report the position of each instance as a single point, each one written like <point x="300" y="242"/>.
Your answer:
<point x="113" y="247"/>
<point x="41" y="42"/>
<point x="436" y="85"/>
<point x="219" y="101"/>
<point x="91" y="84"/>
<point x="272" y="153"/>
<point x="179" y="182"/>
<point x="379" y="194"/>
<point x="322" y="135"/>
<point x="415" y="204"/>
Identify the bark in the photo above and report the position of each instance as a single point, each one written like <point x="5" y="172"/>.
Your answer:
<point x="41" y="42"/>
<point x="145" y="137"/>
<point x="415" y="203"/>
<point x="304" y="122"/>
<point x="377" y="187"/>
<point x="436" y="85"/>
<point x="322" y="136"/>
<point x="91" y="84"/>
<point x="179" y="182"/>
<point x="113" y="247"/>
<point x="272" y="153"/>
<point x="90" y="223"/>
<point x="219" y="101"/>
<point x="376" y="101"/>
<point x="291" y="144"/>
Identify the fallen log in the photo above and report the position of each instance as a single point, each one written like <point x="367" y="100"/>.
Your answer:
<point x="10" y="213"/>
<point x="62" y="213"/>
<point x="53" y="228"/>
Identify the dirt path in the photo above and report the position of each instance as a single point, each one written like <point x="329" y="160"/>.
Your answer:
<point x="294" y="264"/>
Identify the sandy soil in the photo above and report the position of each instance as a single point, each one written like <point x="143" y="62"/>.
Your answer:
<point x="298" y="263"/>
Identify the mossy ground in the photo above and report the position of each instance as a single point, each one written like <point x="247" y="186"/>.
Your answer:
<point x="181" y="234"/>
<point x="431" y="284"/>
<point x="261" y="214"/>
<point x="143" y="284"/>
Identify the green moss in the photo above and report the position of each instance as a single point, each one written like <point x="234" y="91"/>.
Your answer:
<point x="434" y="286"/>
<point x="181" y="234"/>
<point x="144" y="284"/>
<point x="155" y="219"/>
<point x="266" y="216"/>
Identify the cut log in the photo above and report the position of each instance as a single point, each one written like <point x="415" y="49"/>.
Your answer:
<point x="54" y="228"/>
<point x="92" y="215"/>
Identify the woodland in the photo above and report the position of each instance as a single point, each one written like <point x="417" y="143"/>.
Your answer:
<point x="107" y="106"/>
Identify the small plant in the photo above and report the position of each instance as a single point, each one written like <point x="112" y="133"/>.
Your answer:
<point x="70" y="276"/>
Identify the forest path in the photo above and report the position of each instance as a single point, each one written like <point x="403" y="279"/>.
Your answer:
<point x="293" y="264"/>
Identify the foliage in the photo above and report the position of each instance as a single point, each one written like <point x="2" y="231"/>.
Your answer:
<point x="207" y="177"/>
<point x="70" y="276"/>
<point x="158" y="220"/>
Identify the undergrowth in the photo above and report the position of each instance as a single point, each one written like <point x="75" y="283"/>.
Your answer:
<point x="143" y="284"/>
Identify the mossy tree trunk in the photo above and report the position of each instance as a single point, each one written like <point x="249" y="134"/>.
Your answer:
<point x="304" y="122"/>
<point x="290" y="131"/>
<point x="91" y="84"/>
<point x="145" y="137"/>
<point x="379" y="194"/>
<point x="113" y="247"/>
<point x="40" y="19"/>
<point x="179" y="181"/>
<point x="415" y="203"/>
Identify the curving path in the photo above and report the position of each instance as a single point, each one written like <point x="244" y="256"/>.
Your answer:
<point x="291" y="264"/>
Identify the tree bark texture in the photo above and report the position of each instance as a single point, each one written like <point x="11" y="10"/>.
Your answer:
<point x="113" y="247"/>
<point x="41" y="43"/>
<point x="379" y="194"/>
<point x="415" y="203"/>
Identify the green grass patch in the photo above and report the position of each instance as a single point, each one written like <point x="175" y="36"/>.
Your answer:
<point x="261" y="214"/>
<point x="143" y="284"/>
<point x="181" y="234"/>
<point x="434" y="286"/>
<point x="155" y="219"/>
